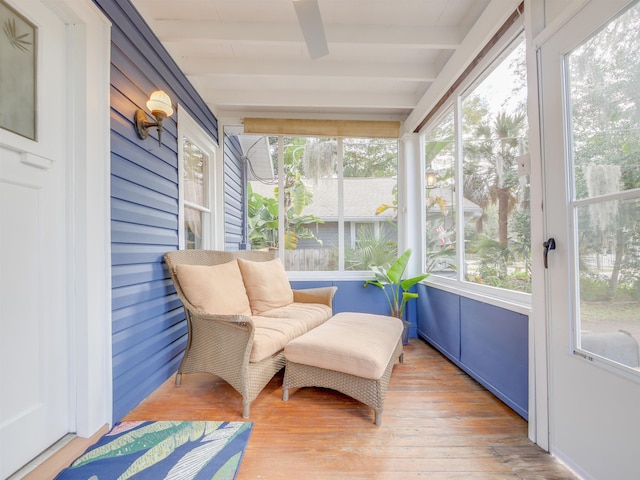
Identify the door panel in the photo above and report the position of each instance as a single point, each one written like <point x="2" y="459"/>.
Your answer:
<point x="593" y="396"/>
<point x="34" y="345"/>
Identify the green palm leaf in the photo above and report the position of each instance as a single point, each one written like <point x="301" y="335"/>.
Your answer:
<point x="134" y="441"/>
<point x="187" y="432"/>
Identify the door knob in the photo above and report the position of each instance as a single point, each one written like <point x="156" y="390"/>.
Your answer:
<point x="548" y="245"/>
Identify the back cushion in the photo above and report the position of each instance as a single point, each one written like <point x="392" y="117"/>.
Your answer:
<point x="215" y="288"/>
<point x="266" y="283"/>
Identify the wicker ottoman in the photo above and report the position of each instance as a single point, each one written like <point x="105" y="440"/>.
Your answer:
<point x="352" y="353"/>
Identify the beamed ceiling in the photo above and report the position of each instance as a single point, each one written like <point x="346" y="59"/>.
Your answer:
<point x="249" y="57"/>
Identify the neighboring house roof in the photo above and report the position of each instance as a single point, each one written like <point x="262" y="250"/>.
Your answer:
<point x="362" y="196"/>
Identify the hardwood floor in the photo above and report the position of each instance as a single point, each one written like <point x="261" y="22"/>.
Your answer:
<point x="438" y="423"/>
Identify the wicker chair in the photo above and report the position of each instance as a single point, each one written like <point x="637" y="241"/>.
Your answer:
<point x="221" y="344"/>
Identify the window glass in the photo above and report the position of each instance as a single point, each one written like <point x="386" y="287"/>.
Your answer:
<point x="340" y="196"/>
<point x="494" y="135"/>
<point x="195" y="167"/>
<point x="440" y="202"/>
<point x="310" y="204"/>
<point x="370" y="202"/>
<point x="604" y="122"/>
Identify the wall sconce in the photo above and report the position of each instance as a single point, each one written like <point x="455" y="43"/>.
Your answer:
<point x="431" y="178"/>
<point x="160" y="105"/>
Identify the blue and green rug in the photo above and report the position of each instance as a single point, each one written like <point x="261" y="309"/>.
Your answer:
<point x="164" y="450"/>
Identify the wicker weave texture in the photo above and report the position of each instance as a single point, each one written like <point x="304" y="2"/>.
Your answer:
<point x="222" y="344"/>
<point x="368" y="391"/>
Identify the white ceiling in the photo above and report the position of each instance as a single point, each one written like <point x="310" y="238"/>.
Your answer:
<point x="249" y="58"/>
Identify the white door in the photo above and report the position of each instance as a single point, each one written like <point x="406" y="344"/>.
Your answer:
<point x="35" y="401"/>
<point x="591" y="159"/>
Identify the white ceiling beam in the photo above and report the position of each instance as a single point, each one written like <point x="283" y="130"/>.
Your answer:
<point x="207" y="66"/>
<point x="214" y="31"/>
<point x="350" y="99"/>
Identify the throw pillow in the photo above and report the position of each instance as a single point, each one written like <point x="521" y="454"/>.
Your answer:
<point x="217" y="289"/>
<point x="266" y="283"/>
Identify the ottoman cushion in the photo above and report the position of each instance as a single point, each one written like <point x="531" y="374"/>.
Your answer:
<point x="358" y="344"/>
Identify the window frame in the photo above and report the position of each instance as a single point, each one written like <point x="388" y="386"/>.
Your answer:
<point x="511" y="299"/>
<point x="212" y="230"/>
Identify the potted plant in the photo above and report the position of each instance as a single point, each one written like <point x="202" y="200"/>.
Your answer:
<point x="396" y="290"/>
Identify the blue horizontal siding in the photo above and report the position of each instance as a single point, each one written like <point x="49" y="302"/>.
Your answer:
<point x="234" y="186"/>
<point x="127" y="212"/>
<point x="149" y="331"/>
<point x="126" y="339"/>
<point x="130" y="316"/>
<point x="134" y="294"/>
<point x="135" y="194"/>
<point x="126" y="254"/>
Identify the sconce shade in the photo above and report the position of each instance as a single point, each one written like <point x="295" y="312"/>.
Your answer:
<point x="160" y="102"/>
<point x="431" y="178"/>
<point x="160" y="105"/>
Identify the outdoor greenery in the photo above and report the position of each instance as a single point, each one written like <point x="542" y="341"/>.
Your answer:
<point x="389" y="278"/>
<point x="605" y="121"/>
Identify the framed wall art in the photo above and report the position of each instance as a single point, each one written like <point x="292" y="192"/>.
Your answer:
<point x="17" y="73"/>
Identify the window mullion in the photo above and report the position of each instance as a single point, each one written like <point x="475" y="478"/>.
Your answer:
<point x="459" y="188"/>
<point x="281" y="212"/>
<point x="340" y="170"/>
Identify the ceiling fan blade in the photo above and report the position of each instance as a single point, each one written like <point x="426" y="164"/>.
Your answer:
<point x="310" y="21"/>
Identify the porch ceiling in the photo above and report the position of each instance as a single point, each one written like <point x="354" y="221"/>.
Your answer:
<point x="249" y="58"/>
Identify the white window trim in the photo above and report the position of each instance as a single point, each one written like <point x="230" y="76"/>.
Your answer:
<point x="510" y="299"/>
<point x="213" y="227"/>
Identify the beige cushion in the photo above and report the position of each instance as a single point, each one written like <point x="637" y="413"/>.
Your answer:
<point x="266" y="283"/>
<point x="276" y="327"/>
<point x="359" y="344"/>
<point x="214" y="288"/>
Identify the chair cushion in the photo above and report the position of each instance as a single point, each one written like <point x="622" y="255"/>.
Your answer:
<point x="266" y="283"/>
<point x="276" y="327"/>
<point x="358" y="344"/>
<point x="217" y="289"/>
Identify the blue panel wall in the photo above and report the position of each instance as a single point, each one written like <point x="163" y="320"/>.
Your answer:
<point x="488" y="342"/>
<point x="353" y="297"/>
<point x="495" y="350"/>
<point x="444" y="333"/>
<point x="148" y="331"/>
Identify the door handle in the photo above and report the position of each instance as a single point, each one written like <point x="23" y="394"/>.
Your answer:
<point x="548" y="245"/>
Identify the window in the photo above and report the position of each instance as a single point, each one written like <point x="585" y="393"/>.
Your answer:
<point x="196" y="197"/>
<point x="199" y="188"/>
<point x="338" y="211"/>
<point x="477" y="216"/>
<point x="605" y="148"/>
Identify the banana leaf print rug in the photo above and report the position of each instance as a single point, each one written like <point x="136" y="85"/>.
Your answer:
<point x="164" y="450"/>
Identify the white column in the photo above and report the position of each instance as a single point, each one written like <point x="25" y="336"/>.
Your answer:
<point x="411" y="200"/>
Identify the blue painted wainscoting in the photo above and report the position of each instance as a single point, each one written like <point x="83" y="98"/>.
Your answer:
<point x="488" y="342"/>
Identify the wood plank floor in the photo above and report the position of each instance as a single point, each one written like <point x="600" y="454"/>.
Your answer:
<point x="438" y="423"/>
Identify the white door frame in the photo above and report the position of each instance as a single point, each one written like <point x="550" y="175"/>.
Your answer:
<point x="88" y="203"/>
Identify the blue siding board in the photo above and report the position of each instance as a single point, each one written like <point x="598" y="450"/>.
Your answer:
<point x="141" y="45"/>
<point x="134" y="294"/>
<point x="129" y="338"/>
<point x="138" y="354"/>
<point x="234" y="182"/>
<point x="134" y="193"/>
<point x="127" y="395"/>
<point x="144" y="187"/>
<point x="156" y="161"/>
<point x="127" y="317"/>
<point x="125" y="254"/>
<point x="122" y="232"/>
<point x="123" y="168"/>
<point x="126" y="212"/>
